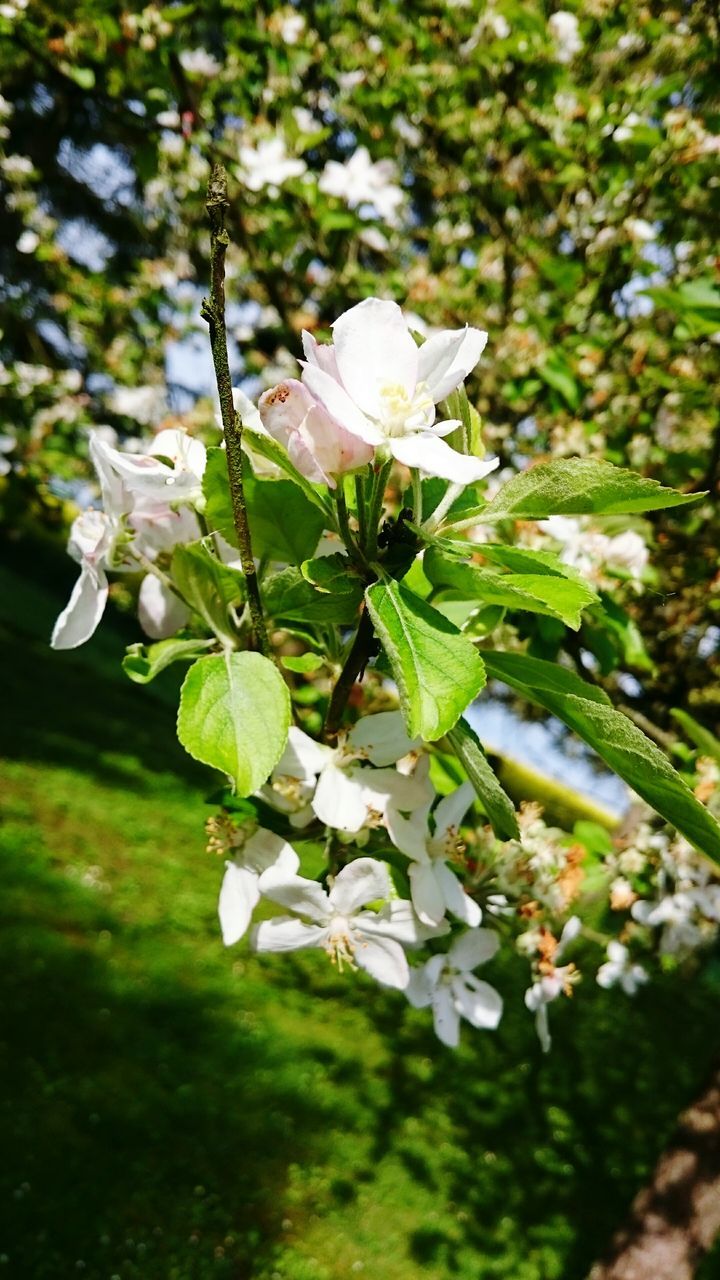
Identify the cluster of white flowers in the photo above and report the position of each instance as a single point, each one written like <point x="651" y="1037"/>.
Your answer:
<point x="147" y="510"/>
<point x="565" y="33"/>
<point x="375" y="780"/>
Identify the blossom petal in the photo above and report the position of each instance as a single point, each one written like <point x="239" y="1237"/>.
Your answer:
<point x="339" y="800"/>
<point x="374" y="349"/>
<point x="385" y="961"/>
<point x="452" y="809"/>
<point x="382" y="738"/>
<point x="305" y="897"/>
<point x="387" y="789"/>
<point x="321" y="354"/>
<point x="478" y="1002"/>
<point x="264" y="850"/>
<point x="410" y="835"/>
<point x="427" y="896"/>
<point x="419" y="990"/>
<point x="83" y="611"/>
<point x="239" y="895"/>
<point x="362" y="881"/>
<point x="283" y="933"/>
<point x="473" y="948"/>
<point x="398" y="920"/>
<point x="446" y="359"/>
<point x="446" y="1018"/>
<point x="428" y="453"/>
<point x="160" y="612"/>
<point x="339" y="404"/>
<point x="303" y="758"/>
<point x="457" y="901"/>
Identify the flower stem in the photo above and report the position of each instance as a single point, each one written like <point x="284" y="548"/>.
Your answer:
<point x="375" y="510"/>
<point x="452" y="492"/>
<point x="213" y="310"/>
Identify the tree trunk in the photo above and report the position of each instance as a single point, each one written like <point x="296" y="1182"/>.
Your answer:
<point x="674" y="1220"/>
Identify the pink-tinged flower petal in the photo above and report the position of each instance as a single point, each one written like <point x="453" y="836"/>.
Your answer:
<point x="428" y="898"/>
<point x="283" y="933"/>
<point x="457" y="901"/>
<point x="83" y="611"/>
<point x="305" y="897"/>
<point x="446" y="359"/>
<point x="339" y="404"/>
<point x="239" y="895"/>
<point x="446" y="1018"/>
<point x="160" y="612"/>
<point x="321" y="354"/>
<point x="374" y="349"/>
<point x="362" y="881"/>
<point x="473" y="948"/>
<point x="334" y="449"/>
<point x="283" y="409"/>
<point x="429" y="454"/>
<point x="384" y="959"/>
<point x="478" y="1002"/>
<point x="339" y="800"/>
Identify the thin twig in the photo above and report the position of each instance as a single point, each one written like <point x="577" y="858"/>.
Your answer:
<point x="213" y="310"/>
<point x="355" y="663"/>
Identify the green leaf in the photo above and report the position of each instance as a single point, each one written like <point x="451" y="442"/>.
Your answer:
<point x="284" y="524"/>
<point x="496" y="804"/>
<point x="143" y="662"/>
<point x="557" y="373"/>
<point x="704" y="740"/>
<point x="437" y="670"/>
<point x="579" y="486"/>
<point x="534" y="592"/>
<point x="588" y="712"/>
<point x="208" y="586"/>
<point x="304" y="663"/>
<point x="234" y="715"/>
<point x="287" y="595"/>
<point x="523" y="560"/>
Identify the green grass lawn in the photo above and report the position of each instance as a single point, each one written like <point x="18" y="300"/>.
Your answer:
<point x="175" y="1111"/>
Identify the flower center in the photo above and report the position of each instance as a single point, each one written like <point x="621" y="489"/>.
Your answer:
<point x="400" y="414"/>
<point x="339" y="944"/>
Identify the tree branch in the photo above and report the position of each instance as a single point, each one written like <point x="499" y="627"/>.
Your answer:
<point x="213" y="310"/>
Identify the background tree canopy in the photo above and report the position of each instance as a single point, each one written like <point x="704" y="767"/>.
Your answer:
<point x="553" y="179"/>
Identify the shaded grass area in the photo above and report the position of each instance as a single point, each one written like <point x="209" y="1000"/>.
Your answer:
<point x="174" y="1111"/>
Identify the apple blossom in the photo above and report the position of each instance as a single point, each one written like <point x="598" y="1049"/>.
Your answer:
<point x="434" y="888"/>
<point x="336" y="921"/>
<point x="268" y="165"/>
<point x="553" y="981"/>
<point x="239" y="893"/>
<point x="618" y="970"/>
<point x="359" y="182"/>
<point x="378" y="385"/>
<point x="447" y="982"/>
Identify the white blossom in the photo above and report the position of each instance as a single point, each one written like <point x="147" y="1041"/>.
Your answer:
<point x="447" y="982"/>
<point x="434" y="887"/>
<point x="360" y="181"/>
<point x="564" y="30"/>
<point x="554" y="982"/>
<point x="240" y="893"/>
<point x="268" y="165"/>
<point x="619" y="971"/>
<point x="338" y="922"/>
<point x="382" y="388"/>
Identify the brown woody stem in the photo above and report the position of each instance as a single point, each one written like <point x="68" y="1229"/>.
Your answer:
<point x="213" y="310"/>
